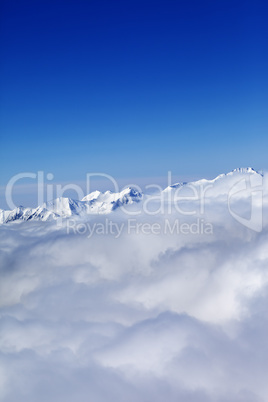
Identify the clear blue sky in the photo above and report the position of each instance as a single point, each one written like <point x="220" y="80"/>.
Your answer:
<point x="133" y="88"/>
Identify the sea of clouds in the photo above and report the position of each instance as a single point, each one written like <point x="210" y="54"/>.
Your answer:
<point x="140" y="317"/>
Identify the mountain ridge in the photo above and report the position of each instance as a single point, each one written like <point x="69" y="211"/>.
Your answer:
<point x="98" y="202"/>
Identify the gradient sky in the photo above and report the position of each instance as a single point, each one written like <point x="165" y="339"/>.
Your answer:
<point x="133" y="88"/>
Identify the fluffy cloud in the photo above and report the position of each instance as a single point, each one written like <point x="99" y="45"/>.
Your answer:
<point x="141" y="317"/>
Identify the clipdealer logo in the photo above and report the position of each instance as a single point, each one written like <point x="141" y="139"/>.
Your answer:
<point x="244" y="195"/>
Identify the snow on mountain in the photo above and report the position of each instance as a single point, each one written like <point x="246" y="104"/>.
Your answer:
<point x="42" y="214"/>
<point x="65" y="207"/>
<point x="92" y="196"/>
<point x="26" y="214"/>
<point x="233" y="176"/>
<point x="107" y="202"/>
<point x="127" y="196"/>
<point x="4" y="215"/>
<point x="104" y="203"/>
<point x="220" y="185"/>
<point x="93" y="203"/>
<point x="19" y="213"/>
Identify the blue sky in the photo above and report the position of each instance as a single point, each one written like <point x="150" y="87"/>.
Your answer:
<point x="133" y="88"/>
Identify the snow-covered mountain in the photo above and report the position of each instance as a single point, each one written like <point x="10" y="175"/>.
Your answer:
<point x="109" y="201"/>
<point x="220" y="185"/>
<point x="93" y="203"/>
<point x="104" y="203"/>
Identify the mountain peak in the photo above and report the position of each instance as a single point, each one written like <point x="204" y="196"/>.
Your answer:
<point x="105" y="202"/>
<point x="244" y="170"/>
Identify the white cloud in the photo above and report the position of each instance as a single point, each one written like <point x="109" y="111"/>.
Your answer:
<point x="138" y="318"/>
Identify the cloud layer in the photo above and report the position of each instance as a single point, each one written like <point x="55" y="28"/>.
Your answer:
<point x="137" y="318"/>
